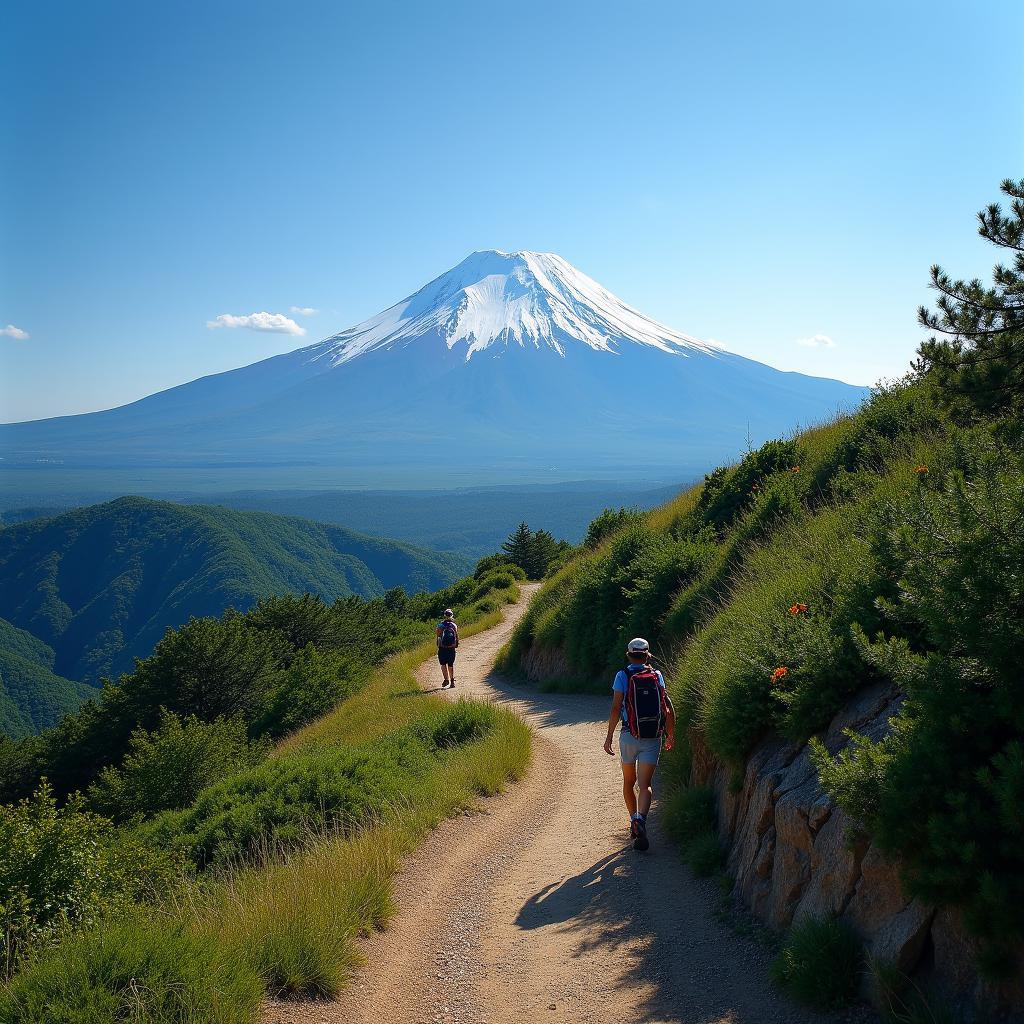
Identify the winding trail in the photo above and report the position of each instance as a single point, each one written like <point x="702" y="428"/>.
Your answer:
<point x="535" y="908"/>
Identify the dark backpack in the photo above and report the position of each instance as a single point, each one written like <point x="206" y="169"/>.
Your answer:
<point x="449" y="635"/>
<point x="646" y="702"/>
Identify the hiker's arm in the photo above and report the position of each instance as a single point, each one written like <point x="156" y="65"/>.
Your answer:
<point x="613" y="717"/>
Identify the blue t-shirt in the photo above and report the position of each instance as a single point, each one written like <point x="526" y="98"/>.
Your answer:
<point x="621" y="684"/>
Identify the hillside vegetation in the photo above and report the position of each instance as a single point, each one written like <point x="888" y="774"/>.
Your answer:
<point x="32" y="696"/>
<point x="98" y="586"/>
<point x="887" y="546"/>
<point x="224" y="821"/>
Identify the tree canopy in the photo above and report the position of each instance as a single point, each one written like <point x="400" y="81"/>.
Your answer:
<point x="976" y="355"/>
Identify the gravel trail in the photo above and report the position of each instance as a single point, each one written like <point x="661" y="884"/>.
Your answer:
<point x="534" y="908"/>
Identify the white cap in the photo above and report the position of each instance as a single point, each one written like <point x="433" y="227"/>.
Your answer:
<point x="638" y="645"/>
<point x="448" y="613"/>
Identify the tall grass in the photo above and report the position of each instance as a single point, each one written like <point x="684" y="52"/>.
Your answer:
<point x="290" y="921"/>
<point x="820" y="963"/>
<point x="141" y="969"/>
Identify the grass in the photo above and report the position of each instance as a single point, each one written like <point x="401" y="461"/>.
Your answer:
<point x="290" y="921"/>
<point x="903" y="1001"/>
<point x="820" y="963"/>
<point x="690" y="818"/>
<point x="140" y="971"/>
<point x="704" y="855"/>
<point x="383" y="706"/>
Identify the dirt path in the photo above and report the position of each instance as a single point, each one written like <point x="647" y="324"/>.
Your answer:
<point x="536" y="909"/>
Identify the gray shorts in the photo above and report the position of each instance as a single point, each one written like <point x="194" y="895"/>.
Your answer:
<point x="634" y="751"/>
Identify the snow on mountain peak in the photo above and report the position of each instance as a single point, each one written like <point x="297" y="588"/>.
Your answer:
<point x="530" y="299"/>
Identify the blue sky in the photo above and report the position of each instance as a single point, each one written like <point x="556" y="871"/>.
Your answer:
<point x="759" y="174"/>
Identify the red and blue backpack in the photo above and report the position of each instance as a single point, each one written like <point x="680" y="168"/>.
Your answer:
<point x="646" y="703"/>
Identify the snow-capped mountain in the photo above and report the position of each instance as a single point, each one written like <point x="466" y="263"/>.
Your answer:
<point x="529" y="299"/>
<point x="509" y="367"/>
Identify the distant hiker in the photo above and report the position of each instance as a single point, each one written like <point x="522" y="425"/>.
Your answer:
<point x="641" y="702"/>
<point x="447" y="643"/>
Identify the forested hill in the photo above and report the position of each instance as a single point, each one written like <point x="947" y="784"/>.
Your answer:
<point x="32" y="696"/>
<point x="100" y="585"/>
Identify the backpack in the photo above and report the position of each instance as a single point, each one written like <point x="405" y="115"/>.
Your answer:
<point x="449" y="634"/>
<point x="646" y="702"/>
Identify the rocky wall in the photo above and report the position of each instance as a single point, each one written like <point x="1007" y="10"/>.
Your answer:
<point x="793" y="855"/>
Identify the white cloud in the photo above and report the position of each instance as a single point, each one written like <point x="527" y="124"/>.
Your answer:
<point x="277" y="323"/>
<point x="304" y="310"/>
<point x="818" y="341"/>
<point x="10" y="331"/>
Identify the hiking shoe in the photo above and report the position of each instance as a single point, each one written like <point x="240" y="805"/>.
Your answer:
<point x="640" y="841"/>
<point x="453" y="684"/>
<point x="634" y="827"/>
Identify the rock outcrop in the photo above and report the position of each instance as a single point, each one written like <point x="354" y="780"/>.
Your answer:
<point x="794" y="854"/>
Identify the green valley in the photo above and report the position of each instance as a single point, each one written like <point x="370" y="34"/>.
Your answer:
<point x="86" y="592"/>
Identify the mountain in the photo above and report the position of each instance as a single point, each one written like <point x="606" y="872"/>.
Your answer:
<point x="514" y="363"/>
<point x="32" y="696"/>
<point x="100" y="585"/>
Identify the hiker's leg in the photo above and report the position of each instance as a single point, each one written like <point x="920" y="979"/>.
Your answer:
<point x="628" y="792"/>
<point x="645" y="775"/>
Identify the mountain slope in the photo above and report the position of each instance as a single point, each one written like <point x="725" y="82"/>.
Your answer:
<point x="101" y="584"/>
<point x="32" y="696"/>
<point x="515" y="362"/>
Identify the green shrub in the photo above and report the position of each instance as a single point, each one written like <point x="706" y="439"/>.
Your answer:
<point x="690" y="811"/>
<point x="691" y="819"/>
<point x="63" y="868"/>
<point x="609" y="522"/>
<point x="490" y="562"/>
<point x="704" y="855"/>
<point x="728" y="490"/>
<point x="278" y="804"/>
<point x="455" y="725"/>
<point x="944" y="791"/>
<point x="314" y="681"/>
<point x="167" y="769"/>
<point x="299" y="619"/>
<point x="820" y="963"/>
<point x="135" y="970"/>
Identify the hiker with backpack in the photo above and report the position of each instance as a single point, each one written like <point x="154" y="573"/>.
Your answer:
<point x="641" y="702"/>
<point x="447" y="644"/>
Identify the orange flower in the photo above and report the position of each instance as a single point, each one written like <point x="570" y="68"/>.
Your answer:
<point x="797" y="609"/>
<point x="780" y="673"/>
<point x="795" y="469"/>
<point x="920" y="469"/>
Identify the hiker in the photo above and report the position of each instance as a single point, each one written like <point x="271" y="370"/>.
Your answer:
<point x="641" y="702"/>
<point x="447" y="644"/>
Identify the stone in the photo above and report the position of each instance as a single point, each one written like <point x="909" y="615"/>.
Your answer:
<point x="869" y="708"/>
<point x="900" y="939"/>
<point x="879" y="894"/>
<point x="835" y="870"/>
